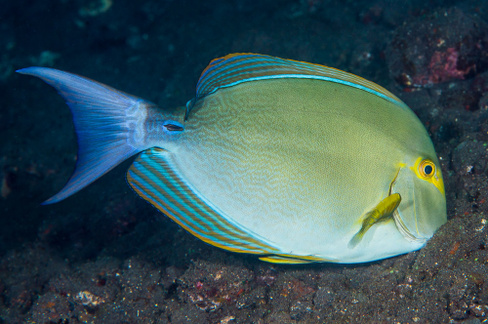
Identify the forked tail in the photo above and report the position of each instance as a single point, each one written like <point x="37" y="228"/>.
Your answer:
<point x="109" y="125"/>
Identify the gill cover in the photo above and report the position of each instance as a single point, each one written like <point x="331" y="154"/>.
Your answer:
<point x="423" y="207"/>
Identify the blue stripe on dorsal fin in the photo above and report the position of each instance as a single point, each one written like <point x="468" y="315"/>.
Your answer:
<point x="236" y="68"/>
<point x="154" y="177"/>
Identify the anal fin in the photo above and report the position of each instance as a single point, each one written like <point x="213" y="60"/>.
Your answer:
<point x="155" y="178"/>
<point x="283" y="260"/>
<point x="293" y="259"/>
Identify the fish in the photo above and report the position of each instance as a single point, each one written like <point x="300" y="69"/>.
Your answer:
<point x="291" y="161"/>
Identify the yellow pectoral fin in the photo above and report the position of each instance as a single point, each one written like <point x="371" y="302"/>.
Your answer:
<point x="382" y="211"/>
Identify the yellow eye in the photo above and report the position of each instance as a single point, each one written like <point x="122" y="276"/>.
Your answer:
<point x="426" y="169"/>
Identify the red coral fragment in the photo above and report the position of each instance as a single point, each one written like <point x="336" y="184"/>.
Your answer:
<point x="443" y="67"/>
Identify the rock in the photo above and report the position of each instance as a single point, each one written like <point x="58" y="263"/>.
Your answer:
<point x="444" y="46"/>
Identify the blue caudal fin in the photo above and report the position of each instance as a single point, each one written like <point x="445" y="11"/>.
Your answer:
<point x="107" y="122"/>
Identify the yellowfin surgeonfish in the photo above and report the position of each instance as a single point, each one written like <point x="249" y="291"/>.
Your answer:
<point x="292" y="161"/>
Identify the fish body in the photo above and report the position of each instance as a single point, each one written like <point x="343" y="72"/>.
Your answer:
<point x="279" y="158"/>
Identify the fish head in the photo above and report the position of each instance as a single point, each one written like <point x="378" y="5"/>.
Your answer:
<point x="423" y="207"/>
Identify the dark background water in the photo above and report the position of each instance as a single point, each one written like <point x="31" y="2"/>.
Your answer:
<point x="108" y="242"/>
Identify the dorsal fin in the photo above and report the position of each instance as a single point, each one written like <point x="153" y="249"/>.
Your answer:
<point x="236" y="68"/>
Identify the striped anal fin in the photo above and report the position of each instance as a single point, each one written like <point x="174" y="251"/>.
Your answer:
<point x="293" y="259"/>
<point x="153" y="178"/>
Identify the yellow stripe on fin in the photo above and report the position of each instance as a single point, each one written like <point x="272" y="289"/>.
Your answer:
<point x="282" y="260"/>
<point x="292" y="259"/>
